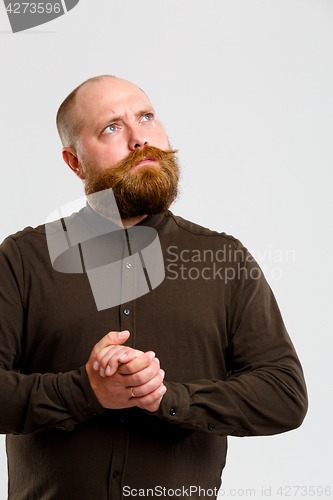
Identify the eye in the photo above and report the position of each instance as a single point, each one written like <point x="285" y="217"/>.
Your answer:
<point x="147" y="117"/>
<point x="109" y="129"/>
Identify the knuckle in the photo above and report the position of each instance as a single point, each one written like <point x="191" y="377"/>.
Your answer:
<point x="155" y="382"/>
<point x="155" y="369"/>
<point x="150" y="399"/>
<point x="139" y="392"/>
<point x="110" y="336"/>
<point x="99" y="356"/>
<point x="122" y="370"/>
<point x="130" y="369"/>
<point x="138" y="378"/>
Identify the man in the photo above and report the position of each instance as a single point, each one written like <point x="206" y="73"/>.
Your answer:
<point x="127" y="383"/>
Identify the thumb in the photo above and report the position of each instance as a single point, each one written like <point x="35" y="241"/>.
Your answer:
<point x="111" y="338"/>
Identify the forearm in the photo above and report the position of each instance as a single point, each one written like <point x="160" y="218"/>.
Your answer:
<point x="30" y="403"/>
<point x="265" y="401"/>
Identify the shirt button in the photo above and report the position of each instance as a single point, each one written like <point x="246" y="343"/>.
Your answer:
<point x="115" y="474"/>
<point x="130" y="235"/>
<point x="211" y="427"/>
<point x="172" y="412"/>
<point x="93" y="414"/>
<point x="127" y="312"/>
<point x="128" y="265"/>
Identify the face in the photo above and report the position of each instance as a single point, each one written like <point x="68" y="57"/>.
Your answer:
<point x="116" y="118"/>
<point x="122" y="146"/>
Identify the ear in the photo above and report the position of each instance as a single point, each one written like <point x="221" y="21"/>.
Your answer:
<point x="70" y="157"/>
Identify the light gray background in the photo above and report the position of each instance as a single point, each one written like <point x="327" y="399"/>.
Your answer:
<point x="244" y="89"/>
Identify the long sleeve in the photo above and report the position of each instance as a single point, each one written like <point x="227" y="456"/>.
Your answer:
<point x="265" y="391"/>
<point x="35" y="401"/>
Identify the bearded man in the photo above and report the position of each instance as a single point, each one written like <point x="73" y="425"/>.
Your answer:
<point x="121" y="375"/>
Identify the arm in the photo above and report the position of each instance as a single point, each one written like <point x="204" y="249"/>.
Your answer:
<point x="265" y="391"/>
<point x="29" y="403"/>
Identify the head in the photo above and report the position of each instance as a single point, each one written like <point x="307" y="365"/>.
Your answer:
<point x="112" y="138"/>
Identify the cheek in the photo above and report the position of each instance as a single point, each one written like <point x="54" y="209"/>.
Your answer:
<point x="104" y="156"/>
<point x="162" y="140"/>
<point x="113" y="156"/>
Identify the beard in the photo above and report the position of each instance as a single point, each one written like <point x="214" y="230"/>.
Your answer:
<point x="149" y="190"/>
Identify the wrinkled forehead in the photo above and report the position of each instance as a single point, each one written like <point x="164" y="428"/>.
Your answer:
<point x="108" y="96"/>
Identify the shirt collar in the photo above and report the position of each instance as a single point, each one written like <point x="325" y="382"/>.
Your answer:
<point x="101" y="225"/>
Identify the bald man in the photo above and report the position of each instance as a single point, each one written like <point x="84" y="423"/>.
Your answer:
<point x="123" y="370"/>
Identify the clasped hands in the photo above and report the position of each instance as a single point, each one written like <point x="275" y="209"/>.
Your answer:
<point x="122" y="377"/>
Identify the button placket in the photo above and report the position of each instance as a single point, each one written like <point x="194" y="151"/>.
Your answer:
<point x="133" y="280"/>
<point x="118" y="465"/>
<point x="127" y="290"/>
<point x="121" y="433"/>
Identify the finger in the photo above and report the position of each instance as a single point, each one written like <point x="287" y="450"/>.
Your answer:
<point x="105" y="354"/>
<point x="109" y="359"/>
<point x="143" y="376"/>
<point x="128" y="356"/>
<point x="111" y="338"/>
<point x="137" y="364"/>
<point x="153" y="406"/>
<point x="151" y="401"/>
<point x="151" y="386"/>
<point x="114" y="356"/>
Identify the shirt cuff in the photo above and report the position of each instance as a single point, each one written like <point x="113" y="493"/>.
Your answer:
<point x="79" y="397"/>
<point x="175" y="404"/>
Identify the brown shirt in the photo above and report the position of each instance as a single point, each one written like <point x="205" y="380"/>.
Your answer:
<point x="214" y="324"/>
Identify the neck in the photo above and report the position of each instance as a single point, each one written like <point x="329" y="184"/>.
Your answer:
<point x="124" y="223"/>
<point x="131" y="222"/>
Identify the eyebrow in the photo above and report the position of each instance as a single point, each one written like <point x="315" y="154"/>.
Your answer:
<point x="114" y="118"/>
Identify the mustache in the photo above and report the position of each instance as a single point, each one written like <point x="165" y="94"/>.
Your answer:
<point x="138" y="155"/>
<point x="148" y="191"/>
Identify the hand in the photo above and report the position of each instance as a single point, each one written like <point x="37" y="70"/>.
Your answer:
<point x="139" y="371"/>
<point x="129" y="363"/>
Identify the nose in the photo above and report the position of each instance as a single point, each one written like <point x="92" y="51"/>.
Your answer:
<point x="137" y="138"/>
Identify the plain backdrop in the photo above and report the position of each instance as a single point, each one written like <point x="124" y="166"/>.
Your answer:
<point x="244" y="89"/>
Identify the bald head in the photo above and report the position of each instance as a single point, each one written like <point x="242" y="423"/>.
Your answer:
<point x="71" y="113"/>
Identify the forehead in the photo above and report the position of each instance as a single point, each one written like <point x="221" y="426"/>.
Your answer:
<point x="97" y="101"/>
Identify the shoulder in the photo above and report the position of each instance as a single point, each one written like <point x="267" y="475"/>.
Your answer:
<point x="13" y="244"/>
<point x="26" y="233"/>
<point x="34" y="242"/>
<point x="40" y="232"/>
<point x="191" y="228"/>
